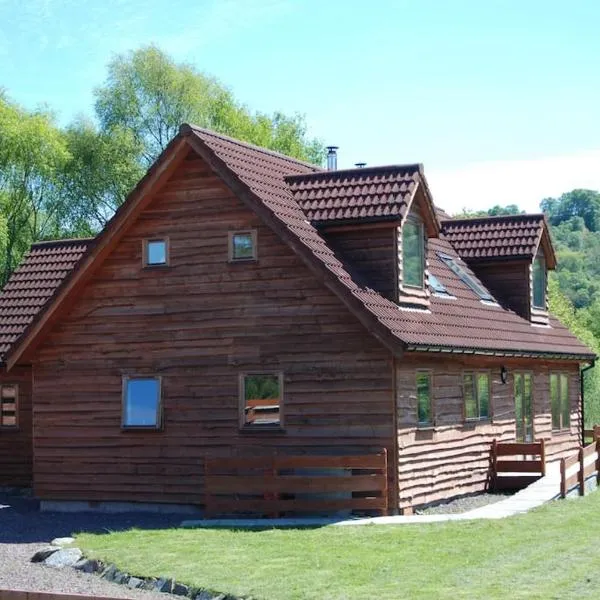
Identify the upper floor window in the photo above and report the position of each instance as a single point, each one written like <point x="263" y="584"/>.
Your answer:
<point x="242" y="245"/>
<point x="539" y="281"/>
<point x="156" y="253"/>
<point x="413" y="253"/>
<point x="8" y="406"/>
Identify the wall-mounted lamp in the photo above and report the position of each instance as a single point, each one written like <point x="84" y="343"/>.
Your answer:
<point x="503" y="374"/>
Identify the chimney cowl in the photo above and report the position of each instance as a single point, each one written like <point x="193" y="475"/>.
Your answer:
<point x="360" y="165"/>
<point x="332" y="158"/>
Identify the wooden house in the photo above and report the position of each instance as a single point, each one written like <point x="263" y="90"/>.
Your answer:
<point x="241" y="303"/>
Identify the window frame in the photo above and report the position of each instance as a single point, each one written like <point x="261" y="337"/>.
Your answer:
<point x="16" y="426"/>
<point x="476" y="373"/>
<point x="431" y="423"/>
<point x="531" y="374"/>
<point x="159" y="407"/>
<point x="230" y="246"/>
<point x="145" y="254"/>
<point x="243" y="424"/>
<point x="563" y="428"/>
<point x="414" y="220"/>
<point x="539" y="259"/>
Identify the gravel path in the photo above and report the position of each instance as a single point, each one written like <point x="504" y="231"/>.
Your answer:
<point x="24" y="530"/>
<point x="462" y="505"/>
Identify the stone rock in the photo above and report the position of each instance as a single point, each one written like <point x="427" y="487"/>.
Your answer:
<point x="65" y="557"/>
<point x="87" y="566"/>
<point x="121" y="578"/>
<point x="64" y="541"/>
<point x="109" y="573"/>
<point x="43" y="554"/>
<point x="134" y="582"/>
<point x="163" y="585"/>
<point x="204" y="595"/>
<point x="180" y="590"/>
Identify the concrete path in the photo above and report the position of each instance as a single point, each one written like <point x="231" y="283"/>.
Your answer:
<point x="545" y="489"/>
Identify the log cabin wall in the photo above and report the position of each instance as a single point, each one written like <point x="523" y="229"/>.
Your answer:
<point x="15" y="442"/>
<point x="198" y="324"/>
<point x="452" y="457"/>
<point x="370" y="251"/>
<point x="508" y="282"/>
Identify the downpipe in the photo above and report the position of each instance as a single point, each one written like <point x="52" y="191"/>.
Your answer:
<point x="582" y="393"/>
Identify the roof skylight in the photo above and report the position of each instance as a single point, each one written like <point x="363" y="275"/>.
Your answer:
<point x="436" y="286"/>
<point x="453" y="265"/>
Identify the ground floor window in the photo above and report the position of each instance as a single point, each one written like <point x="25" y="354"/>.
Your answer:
<point x="476" y="395"/>
<point x="424" y="399"/>
<point x="261" y="399"/>
<point x="559" y="400"/>
<point x="9" y="397"/>
<point x="142" y="406"/>
<point x="523" y="391"/>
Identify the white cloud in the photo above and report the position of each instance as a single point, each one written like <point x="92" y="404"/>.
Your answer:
<point x="481" y="185"/>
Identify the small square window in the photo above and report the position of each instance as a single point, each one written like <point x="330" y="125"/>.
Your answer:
<point x="155" y="253"/>
<point x="242" y="245"/>
<point x="142" y="402"/>
<point x="262" y="395"/>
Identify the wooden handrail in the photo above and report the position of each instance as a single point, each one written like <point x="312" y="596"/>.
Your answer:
<point x="580" y="476"/>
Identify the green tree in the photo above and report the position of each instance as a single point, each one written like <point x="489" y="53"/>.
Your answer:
<point x="577" y="203"/>
<point x="150" y="95"/>
<point x="33" y="154"/>
<point x="102" y="170"/>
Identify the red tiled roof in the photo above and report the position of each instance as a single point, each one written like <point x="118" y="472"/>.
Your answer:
<point x="261" y="177"/>
<point x="371" y="193"/>
<point x="33" y="283"/>
<point x="515" y="236"/>
<point x="463" y="323"/>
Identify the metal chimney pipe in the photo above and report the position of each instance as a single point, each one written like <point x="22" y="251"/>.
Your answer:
<point x="332" y="158"/>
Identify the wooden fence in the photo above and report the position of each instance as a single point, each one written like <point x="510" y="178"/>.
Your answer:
<point x="21" y="595"/>
<point x="280" y="485"/>
<point x="515" y="473"/>
<point x="576" y="469"/>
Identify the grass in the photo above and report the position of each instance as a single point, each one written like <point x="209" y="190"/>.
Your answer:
<point x="551" y="552"/>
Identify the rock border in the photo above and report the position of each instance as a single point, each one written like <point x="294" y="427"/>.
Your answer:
<point x="73" y="558"/>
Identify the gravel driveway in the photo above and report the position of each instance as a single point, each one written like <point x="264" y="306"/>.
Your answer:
<point x="23" y="530"/>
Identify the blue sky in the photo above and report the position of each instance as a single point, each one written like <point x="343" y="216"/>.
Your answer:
<point x="499" y="100"/>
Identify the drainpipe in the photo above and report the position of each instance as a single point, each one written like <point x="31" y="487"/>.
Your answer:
<point x="581" y="378"/>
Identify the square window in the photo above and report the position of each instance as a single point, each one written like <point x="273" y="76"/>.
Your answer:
<point x="8" y="406"/>
<point x="155" y="253"/>
<point x="142" y="402"/>
<point x="262" y="398"/>
<point x="242" y="245"/>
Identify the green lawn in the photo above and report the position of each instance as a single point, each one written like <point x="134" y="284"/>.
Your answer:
<point x="552" y="552"/>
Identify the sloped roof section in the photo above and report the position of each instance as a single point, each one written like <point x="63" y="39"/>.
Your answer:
<point x="464" y="323"/>
<point x="365" y="194"/>
<point x="491" y="238"/>
<point x="33" y="283"/>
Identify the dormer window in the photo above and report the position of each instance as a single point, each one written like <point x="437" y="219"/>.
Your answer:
<point x="156" y="253"/>
<point x="413" y="253"/>
<point x="538" y="280"/>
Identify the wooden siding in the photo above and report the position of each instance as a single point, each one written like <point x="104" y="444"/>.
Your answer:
<point x="509" y="282"/>
<point x="452" y="457"/>
<point x="370" y="252"/>
<point x="198" y="323"/>
<point x="15" y="444"/>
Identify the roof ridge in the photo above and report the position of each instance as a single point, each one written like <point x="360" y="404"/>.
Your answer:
<point x="494" y="218"/>
<point x="59" y="242"/>
<point x="418" y="167"/>
<point x="185" y="127"/>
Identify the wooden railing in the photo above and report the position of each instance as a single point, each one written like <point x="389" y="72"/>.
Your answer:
<point x="279" y="485"/>
<point x="524" y="470"/>
<point x="586" y="461"/>
<point x="592" y="434"/>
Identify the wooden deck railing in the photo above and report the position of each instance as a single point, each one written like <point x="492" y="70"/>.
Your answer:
<point x="586" y="461"/>
<point x="279" y="485"/>
<point x="524" y="470"/>
<point x="593" y="433"/>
